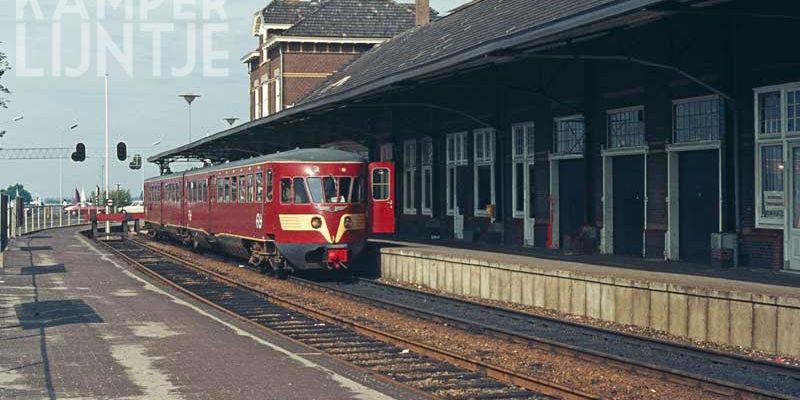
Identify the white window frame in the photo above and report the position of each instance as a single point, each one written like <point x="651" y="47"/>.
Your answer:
<point x="265" y="100"/>
<point x="257" y="102"/>
<point x="409" y="170"/>
<point x="278" y="90"/>
<point x="427" y="167"/>
<point x="784" y="139"/>
<point x="386" y="152"/>
<point x="458" y="141"/>
<point x="698" y="99"/>
<point x="610" y="139"/>
<point x="557" y="151"/>
<point x="487" y="159"/>
<point x="525" y="157"/>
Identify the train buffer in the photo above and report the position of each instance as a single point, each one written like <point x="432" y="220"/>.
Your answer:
<point x="122" y="218"/>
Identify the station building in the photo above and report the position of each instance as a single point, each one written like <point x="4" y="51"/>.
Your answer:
<point x="301" y="43"/>
<point x="648" y="129"/>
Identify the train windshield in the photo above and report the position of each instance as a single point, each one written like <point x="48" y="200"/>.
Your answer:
<point x="330" y="189"/>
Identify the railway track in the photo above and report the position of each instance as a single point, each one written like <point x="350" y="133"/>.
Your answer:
<point x="432" y="373"/>
<point x="717" y="373"/>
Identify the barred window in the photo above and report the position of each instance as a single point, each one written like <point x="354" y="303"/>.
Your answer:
<point x="793" y="110"/>
<point x="626" y="128"/>
<point x="769" y="112"/>
<point x="569" y="135"/>
<point x="697" y="120"/>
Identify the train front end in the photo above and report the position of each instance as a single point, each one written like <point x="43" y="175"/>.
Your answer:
<point x="323" y="214"/>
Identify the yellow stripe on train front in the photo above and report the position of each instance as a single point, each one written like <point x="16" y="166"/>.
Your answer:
<point x="357" y="222"/>
<point x="302" y="223"/>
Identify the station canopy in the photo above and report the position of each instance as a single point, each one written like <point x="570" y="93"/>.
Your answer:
<point x="479" y="33"/>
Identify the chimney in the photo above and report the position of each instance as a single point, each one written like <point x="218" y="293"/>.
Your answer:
<point x="423" y="12"/>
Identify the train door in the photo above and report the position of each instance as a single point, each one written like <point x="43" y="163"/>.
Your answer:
<point x="381" y="197"/>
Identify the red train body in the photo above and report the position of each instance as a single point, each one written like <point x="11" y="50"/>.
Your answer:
<point x="300" y="209"/>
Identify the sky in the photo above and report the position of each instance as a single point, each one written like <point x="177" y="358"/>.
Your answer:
<point x="152" y="50"/>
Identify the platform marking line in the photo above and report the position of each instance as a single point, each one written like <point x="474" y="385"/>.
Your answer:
<point x="360" y="391"/>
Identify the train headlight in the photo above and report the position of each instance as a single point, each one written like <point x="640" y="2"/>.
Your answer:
<point x="348" y="222"/>
<point x="316" y="222"/>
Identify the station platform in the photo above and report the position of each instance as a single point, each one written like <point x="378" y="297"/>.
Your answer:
<point x="756" y="309"/>
<point x="74" y="323"/>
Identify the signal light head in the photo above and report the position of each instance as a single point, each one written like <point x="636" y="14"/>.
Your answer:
<point x="316" y="222"/>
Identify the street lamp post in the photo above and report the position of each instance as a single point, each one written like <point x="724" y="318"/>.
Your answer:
<point x="61" y="161"/>
<point x="190" y="98"/>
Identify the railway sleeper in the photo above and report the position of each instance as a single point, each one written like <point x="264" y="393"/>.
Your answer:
<point x="413" y="376"/>
<point x="515" y="394"/>
<point x="447" y="384"/>
<point x="331" y="335"/>
<point x="316" y="330"/>
<point x="425" y="366"/>
<point x="351" y="351"/>
<point x="503" y="392"/>
<point x="359" y="345"/>
<point x="386" y="359"/>
<point x="350" y="340"/>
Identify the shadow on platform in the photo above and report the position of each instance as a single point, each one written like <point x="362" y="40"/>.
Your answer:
<point x="43" y="270"/>
<point x="35" y="248"/>
<point x="46" y="314"/>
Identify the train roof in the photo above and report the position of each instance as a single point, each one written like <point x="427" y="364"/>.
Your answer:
<point x="296" y="155"/>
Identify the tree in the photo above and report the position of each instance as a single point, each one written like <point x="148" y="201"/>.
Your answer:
<point x="14" y="190"/>
<point x="121" y="197"/>
<point x="3" y="90"/>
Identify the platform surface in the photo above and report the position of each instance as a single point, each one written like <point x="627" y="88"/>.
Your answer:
<point x="757" y="281"/>
<point x="75" y="323"/>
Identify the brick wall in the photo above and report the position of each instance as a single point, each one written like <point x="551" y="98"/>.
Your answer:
<point x="762" y="248"/>
<point x="324" y="64"/>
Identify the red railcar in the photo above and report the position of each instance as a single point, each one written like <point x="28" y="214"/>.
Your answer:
<point x="300" y="209"/>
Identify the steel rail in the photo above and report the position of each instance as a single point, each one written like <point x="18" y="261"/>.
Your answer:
<point x="714" y="386"/>
<point x="493" y="371"/>
<point x="711" y="385"/>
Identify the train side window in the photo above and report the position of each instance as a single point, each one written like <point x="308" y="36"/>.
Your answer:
<point x="228" y="190"/>
<point x="300" y="191"/>
<point x="242" y="189"/>
<point x="344" y="188"/>
<point x="269" y="185"/>
<point x="220" y="190"/>
<point x="380" y="184"/>
<point x="250" y="188"/>
<point x="234" y="189"/>
<point x="259" y="187"/>
<point x="356" y="196"/>
<point x="286" y="190"/>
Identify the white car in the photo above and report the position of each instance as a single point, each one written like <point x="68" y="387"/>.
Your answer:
<point x="137" y="207"/>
